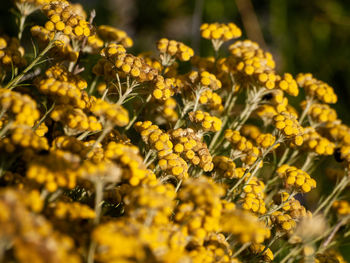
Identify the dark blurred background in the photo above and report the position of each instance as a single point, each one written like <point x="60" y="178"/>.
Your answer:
<point x="304" y="36"/>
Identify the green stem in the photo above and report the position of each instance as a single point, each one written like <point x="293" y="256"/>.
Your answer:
<point x="241" y="249"/>
<point x="306" y="110"/>
<point x="44" y="117"/>
<point x="93" y="85"/>
<point x="22" y="21"/>
<point x="105" y="131"/>
<point x="138" y="113"/>
<point x="5" y="129"/>
<point x="18" y="78"/>
<point x="99" y="185"/>
<point x="341" y="185"/>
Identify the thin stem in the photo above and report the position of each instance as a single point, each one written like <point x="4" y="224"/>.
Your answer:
<point x="45" y="116"/>
<point x="99" y="185"/>
<point x="240" y="250"/>
<point x="279" y="206"/>
<point x="22" y="21"/>
<point x="19" y="77"/>
<point x="93" y="85"/>
<point x="341" y="184"/>
<point x="334" y="231"/>
<point x="306" y="110"/>
<point x="184" y="112"/>
<point x="178" y="186"/>
<point x="5" y="128"/>
<point x="138" y="113"/>
<point x="105" y="131"/>
<point x="283" y="158"/>
<point x="308" y="160"/>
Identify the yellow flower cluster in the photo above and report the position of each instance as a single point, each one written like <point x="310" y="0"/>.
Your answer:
<point x="74" y="210"/>
<point x="64" y="18"/>
<point x="111" y="34"/>
<point x="11" y="54"/>
<point x="265" y="253"/>
<point x="125" y="64"/>
<point x="200" y="208"/>
<point x="75" y="120"/>
<point x="226" y="168"/>
<point x="342" y="207"/>
<point x="206" y="121"/>
<point x="317" y="89"/>
<point x="248" y="59"/>
<point x="190" y="146"/>
<point x="112" y="113"/>
<point x="19" y="108"/>
<point x="245" y="226"/>
<point x="163" y="88"/>
<point x="284" y="222"/>
<point x="211" y="100"/>
<point x="23" y="137"/>
<point x="55" y="170"/>
<point x="159" y="141"/>
<point x="61" y="73"/>
<point x="129" y="159"/>
<point x="223" y="32"/>
<point x="321" y="113"/>
<point x="288" y="124"/>
<point x="296" y="178"/>
<point x="205" y="80"/>
<point x="252" y="198"/>
<point x="62" y="49"/>
<point x="175" y="49"/>
<point x="152" y="204"/>
<point x="157" y="159"/>
<point x="32" y="236"/>
<point x="314" y="142"/>
<point x="242" y="145"/>
<point x="61" y="91"/>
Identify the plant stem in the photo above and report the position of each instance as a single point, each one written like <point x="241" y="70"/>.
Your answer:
<point x="341" y="185"/>
<point x="22" y="21"/>
<point x="12" y="84"/>
<point x="138" y="113"/>
<point x="44" y="117"/>
<point x="240" y="250"/>
<point x="99" y="185"/>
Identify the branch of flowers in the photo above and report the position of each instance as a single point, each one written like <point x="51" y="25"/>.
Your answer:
<point x="279" y="206"/>
<point x="255" y="166"/>
<point x="12" y="84"/>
